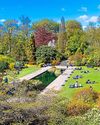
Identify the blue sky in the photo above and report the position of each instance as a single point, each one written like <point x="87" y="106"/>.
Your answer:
<point x="81" y="10"/>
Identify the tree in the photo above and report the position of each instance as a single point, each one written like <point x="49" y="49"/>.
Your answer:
<point x="45" y="54"/>
<point x="62" y="42"/>
<point x="49" y="25"/>
<point x="62" y="37"/>
<point x="72" y="26"/>
<point x="25" y="25"/>
<point x="31" y="50"/>
<point x="62" y="25"/>
<point x="42" y="36"/>
<point x="10" y="29"/>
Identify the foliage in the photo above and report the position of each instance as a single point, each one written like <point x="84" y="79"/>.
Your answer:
<point x="45" y="54"/>
<point x="43" y="37"/>
<point x="55" y="62"/>
<point x="30" y="50"/>
<point x="11" y="66"/>
<point x="76" y="59"/>
<point x="3" y="66"/>
<point x="47" y="24"/>
<point x="6" y="59"/>
<point x="92" y="117"/>
<point x="62" y="42"/>
<point x="72" y="26"/>
<point x="87" y="95"/>
<point x="77" y="107"/>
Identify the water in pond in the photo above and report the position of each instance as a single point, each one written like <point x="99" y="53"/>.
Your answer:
<point x="46" y="78"/>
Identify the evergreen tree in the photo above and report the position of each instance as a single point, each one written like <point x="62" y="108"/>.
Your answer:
<point x="62" y="25"/>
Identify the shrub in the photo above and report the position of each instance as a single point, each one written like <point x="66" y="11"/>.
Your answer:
<point x="92" y="117"/>
<point x="11" y="66"/>
<point x="98" y="101"/>
<point x="76" y="59"/>
<point x="3" y="66"/>
<point x="6" y="59"/>
<point x="55" y="62"/>
<point x="18" y="65"/>
<point x="41" y="64"/>
<point x="57" y="72"/>
<point x="77" y="108"/>
<point x="87" y="95"/>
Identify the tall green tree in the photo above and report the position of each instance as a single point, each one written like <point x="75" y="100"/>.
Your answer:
<point x="10" y="29"/>
<point x="49" y="25"/>
<point x="25" y="25"/>
<point x="31" y="50"/>
<point x="62" y="37"/>
<point x="72" y="26"/>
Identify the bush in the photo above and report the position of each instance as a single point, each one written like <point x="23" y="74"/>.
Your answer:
<point x="18" y="65"/>
<point x="98" y="101"/>
<point x="11" y="66"/>
<point x="41" y="64"/>
<point x="77" y="108"/>
<point x="55" y="62"/>
<point x="87" y="95"/>
<point x="76" y="59"/>
<point x="6" y="59"/>
<point x="57" y="72"/>
<point x="92" y="117"/>
<point x="45" y="54"/>
<point x="3" y="66"/>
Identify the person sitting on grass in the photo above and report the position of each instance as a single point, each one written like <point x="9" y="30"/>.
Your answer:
<point x="76" y="84"/>
<point x="85" y="71"/>
<point x="77" y="77"/>
<point x="89" y="82"/>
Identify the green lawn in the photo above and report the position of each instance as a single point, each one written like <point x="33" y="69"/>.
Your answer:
<point x="94" y="75"/>
<point x="27" y="71"/>
<point x="12" y="74"/>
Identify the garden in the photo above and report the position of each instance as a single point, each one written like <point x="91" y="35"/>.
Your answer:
<point x="26" y="48"/>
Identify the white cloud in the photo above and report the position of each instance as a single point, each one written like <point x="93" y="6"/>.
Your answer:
<point x="86" y="18"/>
<point x="93" y="19"/>
<point x="83" y="17"/>
<point x="84" y="27"/>
<point x="63" y="9"/>
<point x="2" y="20"/>
<point x="98" y="6"/>
<point x="83" y="9"/>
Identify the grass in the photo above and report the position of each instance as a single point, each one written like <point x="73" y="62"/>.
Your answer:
<point x="94" y="75"/>
<point x="27" y="71"/>
<point x="12" y="74"/>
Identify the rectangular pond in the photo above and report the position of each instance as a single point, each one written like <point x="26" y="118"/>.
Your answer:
<point x="46" y="78"/>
